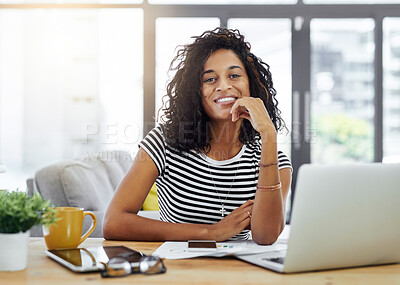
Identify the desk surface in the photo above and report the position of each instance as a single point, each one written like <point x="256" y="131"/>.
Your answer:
<point x="43" y="270"/>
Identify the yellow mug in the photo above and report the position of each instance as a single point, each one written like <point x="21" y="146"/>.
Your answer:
<point x="67" y="231"/>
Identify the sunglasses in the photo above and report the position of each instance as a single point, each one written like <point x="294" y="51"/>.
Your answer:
<point x="120" y="266"/>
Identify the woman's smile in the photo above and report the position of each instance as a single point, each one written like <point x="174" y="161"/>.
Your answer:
<point x="224" y="101"/>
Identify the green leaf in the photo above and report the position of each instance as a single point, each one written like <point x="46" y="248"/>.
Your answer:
<point x="19" y="212"/>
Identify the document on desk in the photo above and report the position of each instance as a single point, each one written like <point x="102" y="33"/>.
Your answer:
<point x="179" y="250"/>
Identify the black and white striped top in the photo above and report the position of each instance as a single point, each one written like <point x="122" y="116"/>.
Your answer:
<point x="192" y="188"/>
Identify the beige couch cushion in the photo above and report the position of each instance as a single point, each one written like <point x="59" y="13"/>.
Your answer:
<point x="87" y="185"/>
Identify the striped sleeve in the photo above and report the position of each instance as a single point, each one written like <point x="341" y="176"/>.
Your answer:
<point x="154" y="145"/>
<point x="284" y="161"/>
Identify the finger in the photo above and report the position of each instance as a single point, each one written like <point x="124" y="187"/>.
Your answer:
<point x="242" y="110"/>
<point x="233" y="111"/>
<point x="239" y="212"/>
<point x="244" y="207"/>
<point x="248" y="215"/>
<point x="239" y="103"/>
<point x="247" y="203"/>
<point x="245" y="223"/>
<point x="244" y="116"/>
<point x="246" y="212"/>
<point x="234" y="106"/>
<point x="236" y="115"/>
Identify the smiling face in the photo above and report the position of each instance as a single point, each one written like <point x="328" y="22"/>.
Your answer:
<point x="224" y="80"/>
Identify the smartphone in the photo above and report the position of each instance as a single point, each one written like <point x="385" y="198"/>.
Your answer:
<point x="202" y="245"/>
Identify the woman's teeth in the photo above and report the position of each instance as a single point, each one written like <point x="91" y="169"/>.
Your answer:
<point x="225" y="99"/>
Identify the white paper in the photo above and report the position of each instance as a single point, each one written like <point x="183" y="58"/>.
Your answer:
<point x="179" y="250"/>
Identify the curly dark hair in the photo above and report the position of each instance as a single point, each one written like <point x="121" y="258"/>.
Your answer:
<point x="185" y="123"/>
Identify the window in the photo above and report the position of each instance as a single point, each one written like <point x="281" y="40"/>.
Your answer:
<point x="70" y="85"/>
<point x="342" y="90"/>
<point x="391" y="90"/>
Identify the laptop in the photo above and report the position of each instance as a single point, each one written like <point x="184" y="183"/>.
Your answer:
<point x="343" y="216"/>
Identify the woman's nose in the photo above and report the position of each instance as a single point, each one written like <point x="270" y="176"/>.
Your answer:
<point x="223" y="84"/>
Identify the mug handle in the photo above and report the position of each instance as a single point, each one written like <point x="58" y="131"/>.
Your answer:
<point x="92" y="227"/>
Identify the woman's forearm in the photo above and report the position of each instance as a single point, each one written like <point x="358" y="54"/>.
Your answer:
<point x="130" y="226"/>
<point x="268" y="216"/>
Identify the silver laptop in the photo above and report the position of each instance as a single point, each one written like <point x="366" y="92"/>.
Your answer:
<point x="343" y="216"/>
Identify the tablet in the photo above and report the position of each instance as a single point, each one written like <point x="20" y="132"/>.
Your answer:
<point x="90" y="259"/>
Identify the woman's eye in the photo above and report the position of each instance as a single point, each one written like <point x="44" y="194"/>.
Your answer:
<point x="209" y="79"/>
<point x="235" y="76"/>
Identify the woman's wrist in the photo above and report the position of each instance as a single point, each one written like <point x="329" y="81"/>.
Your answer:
<point x="268" y="135"/>
<point x="211" y="232"/>
<point x="268" y="138"/>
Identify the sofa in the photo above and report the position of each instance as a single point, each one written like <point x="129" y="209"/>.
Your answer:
<point x="88" y="182"/>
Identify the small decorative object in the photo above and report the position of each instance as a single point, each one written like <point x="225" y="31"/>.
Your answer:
<point x="19" y="212"/>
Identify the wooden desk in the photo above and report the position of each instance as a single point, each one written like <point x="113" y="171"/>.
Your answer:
<point x="43" y="270"/>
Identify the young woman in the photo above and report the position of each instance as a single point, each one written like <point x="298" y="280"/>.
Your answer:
<point x="214" y="157"/>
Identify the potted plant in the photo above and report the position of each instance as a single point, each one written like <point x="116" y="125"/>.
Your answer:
<point x="19" y="212"/>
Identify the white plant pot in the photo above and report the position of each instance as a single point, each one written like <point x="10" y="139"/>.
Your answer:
<point x="13" y="251"/>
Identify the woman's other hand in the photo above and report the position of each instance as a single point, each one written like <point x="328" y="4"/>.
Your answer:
<point x="234" y="223"/>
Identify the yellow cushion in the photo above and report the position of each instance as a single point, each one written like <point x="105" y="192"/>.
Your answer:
<point x="151" y="202"/>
